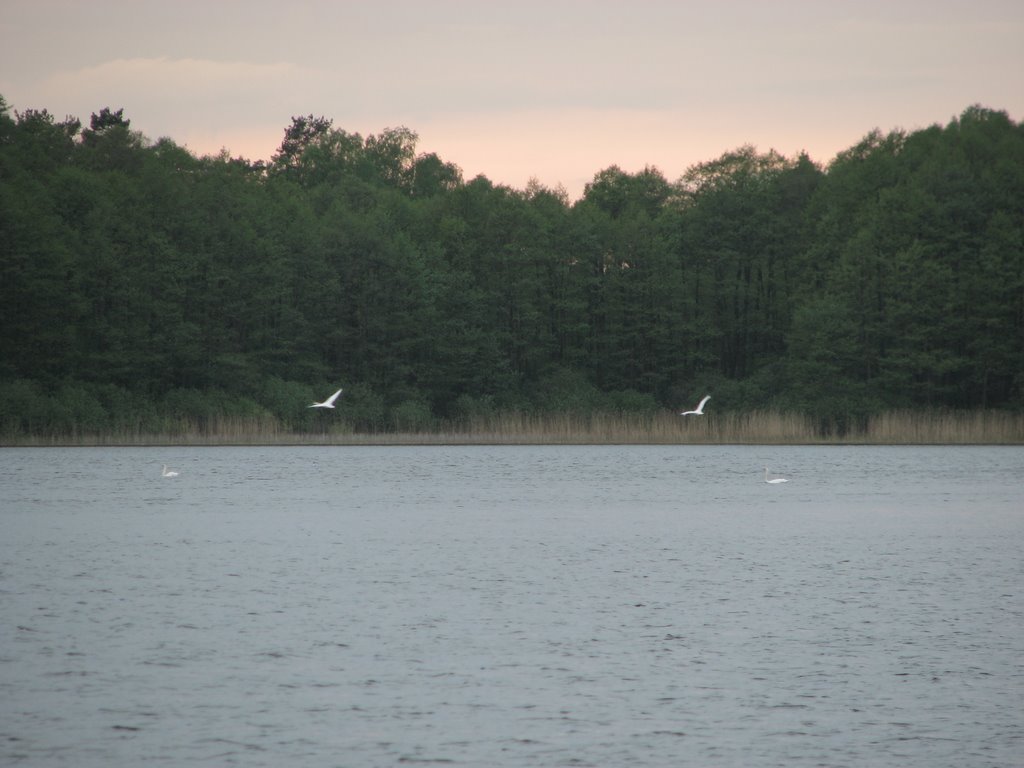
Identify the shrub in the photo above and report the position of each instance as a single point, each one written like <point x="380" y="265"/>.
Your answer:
<point x="412" y="416"/>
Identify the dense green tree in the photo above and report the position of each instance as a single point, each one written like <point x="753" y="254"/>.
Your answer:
<point x="741" y="230"/>
<point x="304" y="133"/>
<point x="142" y="287"/>
<point x="393" y="154"/>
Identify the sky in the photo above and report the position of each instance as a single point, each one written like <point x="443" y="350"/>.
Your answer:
<point x="551" y="90"/>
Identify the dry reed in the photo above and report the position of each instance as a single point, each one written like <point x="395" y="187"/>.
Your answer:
<point x="954" y="427"/>
<point x="758" y="427"/>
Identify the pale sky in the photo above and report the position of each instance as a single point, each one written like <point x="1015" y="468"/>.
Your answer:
<point x="557" y="90"/>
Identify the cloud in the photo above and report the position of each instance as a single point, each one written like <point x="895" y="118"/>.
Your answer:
<point x="558" y="89"/>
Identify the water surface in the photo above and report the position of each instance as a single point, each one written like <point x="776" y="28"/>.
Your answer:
<point x="512" y="606"/>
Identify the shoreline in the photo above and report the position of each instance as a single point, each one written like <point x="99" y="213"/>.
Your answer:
<point x="433" y="440"/>
<point x="758" y="428"/>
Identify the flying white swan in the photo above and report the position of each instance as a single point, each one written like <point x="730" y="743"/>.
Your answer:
<point x="168" y="472"/>
<point x="774" y="480"/>
<point x="699" y="410"/>
<point x="328" y="403"/>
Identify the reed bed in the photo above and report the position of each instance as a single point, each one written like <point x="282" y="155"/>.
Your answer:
<point x="955" y="427"/>
<point x="517" y="428"/>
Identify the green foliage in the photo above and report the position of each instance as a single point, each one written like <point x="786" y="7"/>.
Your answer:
<point x="23" y="408"/>
<point x="412" y="416"/>
<point x="73" y="409"/>
<point x="145" y="289"/>
<point x="204" y="410"/>
<point x="362" y="408"/>
<point x="630" y="401"/>
<point x="468" y="409"/>
<point x="565" y="390"/>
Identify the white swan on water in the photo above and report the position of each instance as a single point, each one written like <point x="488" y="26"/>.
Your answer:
<point x="699" y="410"/>
<point x="168" y="472"/>
<point x="328" y="403"/>
<point x="774" y="480"/>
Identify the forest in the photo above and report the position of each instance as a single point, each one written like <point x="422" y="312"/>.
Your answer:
<point x="143" y="288"/>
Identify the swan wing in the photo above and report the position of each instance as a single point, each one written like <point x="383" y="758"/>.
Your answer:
<point x="699" y="410"/>
<point x="328" y="403"/>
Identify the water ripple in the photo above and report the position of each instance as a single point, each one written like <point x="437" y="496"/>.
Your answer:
<point x="642" y="606"/>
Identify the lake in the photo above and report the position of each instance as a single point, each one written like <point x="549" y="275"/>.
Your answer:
<point x="512" y="606"/>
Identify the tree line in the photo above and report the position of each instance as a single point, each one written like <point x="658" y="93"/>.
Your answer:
<point x="141" y="283"/>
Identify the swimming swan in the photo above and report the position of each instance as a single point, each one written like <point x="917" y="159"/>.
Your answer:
<point x="328" y="403"/>
<point x="699" y="410"/>
<point x="168" y="472"/>
<point x="774" y="480"/>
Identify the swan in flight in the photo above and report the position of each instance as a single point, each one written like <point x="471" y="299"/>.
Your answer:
<point x="699" y="410"/>
<point x="774" y="480"/>
<point x="168" y="472"/>
<point x="328" y="403"/>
